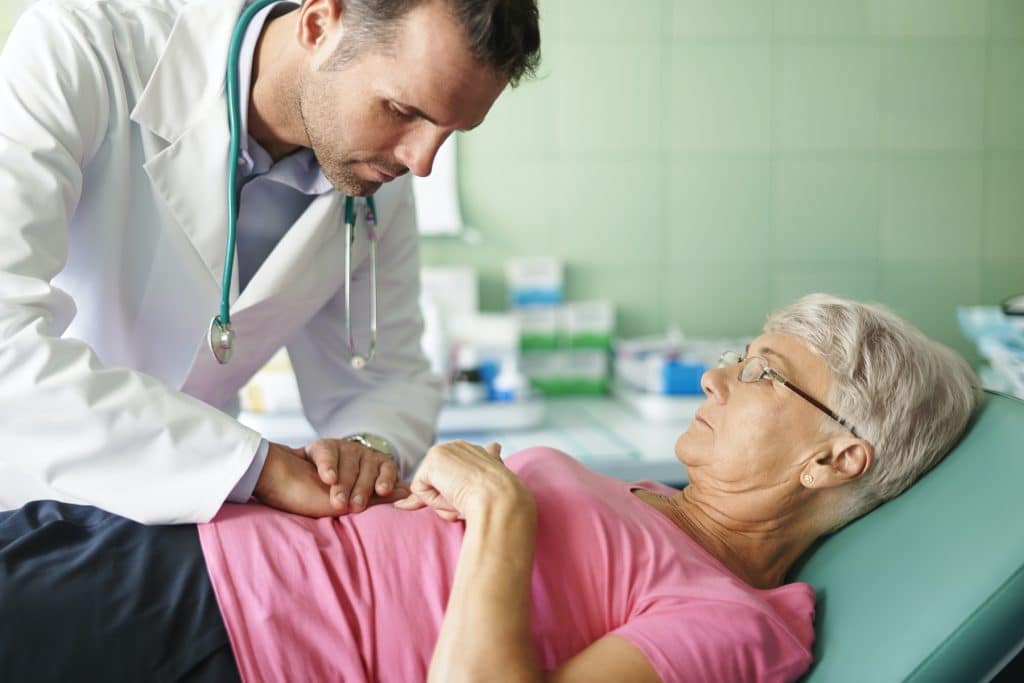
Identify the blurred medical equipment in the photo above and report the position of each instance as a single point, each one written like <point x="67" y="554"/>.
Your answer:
<point x="1000" y="340"/>
<point x="476" y="354"/>
<point x="1014" y="305"/>
<point x="659" y="376"/>
<point x="222" y="337"/>
<point x="534" y="281"/>
<point x="565" y="345"/>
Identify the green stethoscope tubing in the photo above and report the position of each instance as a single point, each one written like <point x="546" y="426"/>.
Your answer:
<point x="221" y="334"/>
<point x="234" y="150"/>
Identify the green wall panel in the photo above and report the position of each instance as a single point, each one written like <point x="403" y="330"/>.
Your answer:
<point x="720" y="96"/>
<point x="723" y="19"/>
<point x="820" y="20"/>
<point x="1006" y="94"/>
<point x="719" y="210"/>
<point x="929" y="18"/>
<point x="1003" y="238"/>
<point x="933" y="94"/>
<point x="826" y="95"/>
<point x="825" y="210"/>
<point x="932" y="209"/>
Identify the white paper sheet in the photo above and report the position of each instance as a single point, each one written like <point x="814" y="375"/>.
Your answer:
<point x="437" y="195"/>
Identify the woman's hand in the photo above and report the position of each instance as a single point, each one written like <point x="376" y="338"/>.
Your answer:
<point x="459" y="479"/>
<point x="486" y="626"/>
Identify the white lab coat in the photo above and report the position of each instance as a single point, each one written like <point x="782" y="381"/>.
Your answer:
<point x="113" y="155"/>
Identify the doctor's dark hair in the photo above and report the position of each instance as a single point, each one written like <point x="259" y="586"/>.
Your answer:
<point x="502" y="34"/>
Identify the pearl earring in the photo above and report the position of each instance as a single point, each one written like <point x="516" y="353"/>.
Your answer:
<point x="807" y="479"/>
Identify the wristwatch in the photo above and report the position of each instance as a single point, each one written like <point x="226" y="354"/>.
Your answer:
<point x="372" y="441"/>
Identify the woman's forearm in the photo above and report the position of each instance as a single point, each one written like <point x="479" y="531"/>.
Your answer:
<point x="485" y="634"/>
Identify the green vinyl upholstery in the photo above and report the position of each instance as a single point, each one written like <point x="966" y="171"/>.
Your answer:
<point x="930" y="586"/>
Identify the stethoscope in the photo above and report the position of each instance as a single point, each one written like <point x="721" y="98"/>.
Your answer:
<point x="222" y="337"/>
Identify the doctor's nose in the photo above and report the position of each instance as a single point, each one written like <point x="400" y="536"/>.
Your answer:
<point x="416" y="152"/>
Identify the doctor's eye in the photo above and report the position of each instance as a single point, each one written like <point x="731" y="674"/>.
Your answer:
<point x="398" y="112"/>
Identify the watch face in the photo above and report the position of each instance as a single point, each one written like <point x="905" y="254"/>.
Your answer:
<point x="375" y="442"/>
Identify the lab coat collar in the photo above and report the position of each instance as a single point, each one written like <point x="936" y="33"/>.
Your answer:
<point x="184" y="104"/>
<point x="188" y="79"/>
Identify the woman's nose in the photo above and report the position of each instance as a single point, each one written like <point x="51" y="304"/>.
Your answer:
<point x="715" y="384"/>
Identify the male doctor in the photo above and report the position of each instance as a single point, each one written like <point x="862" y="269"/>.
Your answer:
<point x="113" y="167"/>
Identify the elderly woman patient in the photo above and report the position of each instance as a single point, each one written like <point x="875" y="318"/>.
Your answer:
<point x="529" y="569"/>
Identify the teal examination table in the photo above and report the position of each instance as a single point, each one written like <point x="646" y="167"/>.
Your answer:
<point x="930" y="586"/>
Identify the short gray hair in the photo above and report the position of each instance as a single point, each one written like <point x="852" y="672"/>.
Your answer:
<point x="909" y="396"/>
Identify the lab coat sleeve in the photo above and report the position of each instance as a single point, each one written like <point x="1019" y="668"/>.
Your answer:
<point x="395" y="396"/>
<point x="69" y="426"/>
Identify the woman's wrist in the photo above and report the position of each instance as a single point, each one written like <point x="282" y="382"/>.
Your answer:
<point x="508" y="500"/>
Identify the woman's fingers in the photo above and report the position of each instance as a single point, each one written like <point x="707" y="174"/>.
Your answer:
<point x="410" y="502"/>
<point x="448" y="515"/>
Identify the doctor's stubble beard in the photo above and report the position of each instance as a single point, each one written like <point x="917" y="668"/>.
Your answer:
<point x="335" y="163"/>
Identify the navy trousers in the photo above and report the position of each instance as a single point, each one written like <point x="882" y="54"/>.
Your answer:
<point x="89" y="596"/>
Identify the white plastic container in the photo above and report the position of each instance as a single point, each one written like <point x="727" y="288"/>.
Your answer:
<point x="510" y="385"/>
<point x="534" y="282"/>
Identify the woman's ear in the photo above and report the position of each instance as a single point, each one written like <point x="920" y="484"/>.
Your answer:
<point x="847" y="461"/>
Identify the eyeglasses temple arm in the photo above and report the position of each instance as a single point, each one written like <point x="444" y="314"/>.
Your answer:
<point x="817" y="404"/>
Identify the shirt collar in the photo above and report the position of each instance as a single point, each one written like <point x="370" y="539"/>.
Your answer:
<point x="300" y="169"/>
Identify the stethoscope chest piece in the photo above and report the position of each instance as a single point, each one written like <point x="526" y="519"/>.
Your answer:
<point x="221" y="339"/>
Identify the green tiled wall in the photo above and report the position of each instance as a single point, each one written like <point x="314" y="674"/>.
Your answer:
<point x="702" y="161"/>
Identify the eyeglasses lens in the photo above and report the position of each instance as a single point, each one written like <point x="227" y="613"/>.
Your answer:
<point x="753" y="370"/>
<point x="729" y="358"/>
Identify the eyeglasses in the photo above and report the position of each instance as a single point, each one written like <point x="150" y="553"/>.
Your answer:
<point x="756" y="369"/>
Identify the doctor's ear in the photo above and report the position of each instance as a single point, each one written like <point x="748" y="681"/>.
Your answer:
<point x="318" y="21"/>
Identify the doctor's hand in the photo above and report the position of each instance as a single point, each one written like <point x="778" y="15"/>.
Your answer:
<point x="459" y="480"/>
<point x="290" y="481"/>
<point x="356" y="474"/>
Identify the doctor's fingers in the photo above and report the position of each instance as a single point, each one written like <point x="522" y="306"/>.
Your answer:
<point x="324" y="453"/>
<point x="337" y="461"/>
<point x="373" y="468"/>
<point x="348" y="472"/>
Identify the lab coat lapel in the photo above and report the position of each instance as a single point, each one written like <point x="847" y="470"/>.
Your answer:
<point x="298" y="277"/>
<point x="307" y="265"/>
<point x="184" y="103"/>
<point x="190" y="175"/>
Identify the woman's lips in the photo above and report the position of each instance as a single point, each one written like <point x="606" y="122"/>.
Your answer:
<point x="699" y="418"/>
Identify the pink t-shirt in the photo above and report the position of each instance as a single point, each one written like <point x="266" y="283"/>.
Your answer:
<point x="362" y="597"/>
